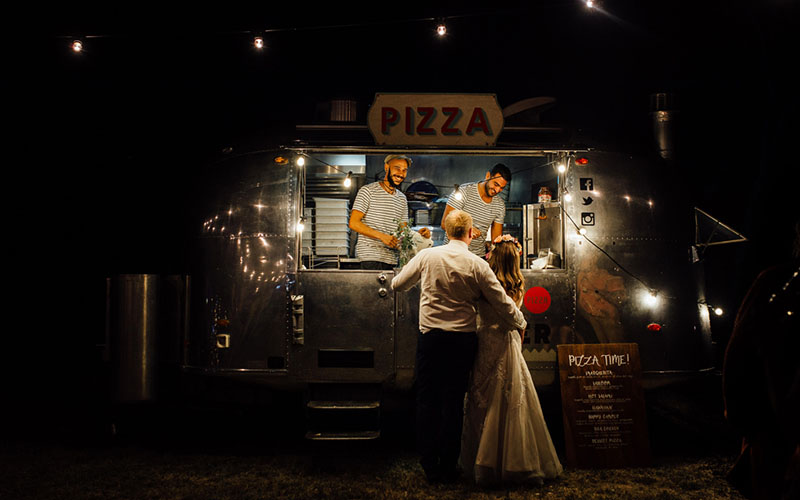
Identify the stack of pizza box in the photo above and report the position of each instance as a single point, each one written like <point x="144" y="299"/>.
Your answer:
<point x="331" y="230"/>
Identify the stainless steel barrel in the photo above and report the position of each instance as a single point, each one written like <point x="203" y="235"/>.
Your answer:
<point x="133" y="337"/>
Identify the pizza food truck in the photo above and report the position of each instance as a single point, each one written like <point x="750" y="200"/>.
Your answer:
<point x="276" y="296"/>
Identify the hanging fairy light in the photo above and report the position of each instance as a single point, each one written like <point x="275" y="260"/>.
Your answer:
<point x="258" y="42"/>
<point x="718" y="311"/>
<point x="348" y="180"/>
<point x="651" y="298"/>
<point x="301" y="224"/>
<point x="77" y="46"/>
<point x="561" y="168"/>
<point x="441" y="29"/>
<point x="567" y="197"/>
<point x="300" y="161"/>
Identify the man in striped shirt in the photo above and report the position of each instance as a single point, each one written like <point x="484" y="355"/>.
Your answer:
<point x="480" y="200"/>
<point x="378" y="209"/>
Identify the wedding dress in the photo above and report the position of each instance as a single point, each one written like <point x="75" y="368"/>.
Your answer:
<point x="505" y="438"/>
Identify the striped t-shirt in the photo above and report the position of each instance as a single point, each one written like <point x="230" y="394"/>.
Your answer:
<point x="382" y="212"/>
<point x="483" y="214"/>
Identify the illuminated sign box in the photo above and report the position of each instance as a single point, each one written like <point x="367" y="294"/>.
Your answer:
<point x="435" y="119"/>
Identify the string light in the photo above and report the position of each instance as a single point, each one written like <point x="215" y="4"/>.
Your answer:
<point x="567" y="196"/>
<point x="300" y="161"/>
<point x="561" y="168"/>
<point x="347" y="180"/>
<point x="718" y="311"/>
<point x="301" y="224"/>
<point x="77" y="46"/>
<point x="589" y="4"/>
<point x="651" y="299"/>
<point x="258" y="42"/>
<point x="441" y="29"/>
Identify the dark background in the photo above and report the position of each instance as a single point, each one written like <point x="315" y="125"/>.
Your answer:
<point x="114" y="140"/>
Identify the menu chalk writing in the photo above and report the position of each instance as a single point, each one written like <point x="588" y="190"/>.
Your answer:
<point x="603" y="405"/>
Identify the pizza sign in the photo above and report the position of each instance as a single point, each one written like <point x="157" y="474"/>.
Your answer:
<point x="435" y="119"/>
<point x="537" y="300"/>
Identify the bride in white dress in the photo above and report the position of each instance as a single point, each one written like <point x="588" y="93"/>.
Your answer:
<point x="505" y="438"/>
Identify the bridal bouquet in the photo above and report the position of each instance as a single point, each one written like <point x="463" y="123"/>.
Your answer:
<point x="406" y="246"/>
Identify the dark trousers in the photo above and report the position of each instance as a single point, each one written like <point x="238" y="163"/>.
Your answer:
<point x="443" y="364"/>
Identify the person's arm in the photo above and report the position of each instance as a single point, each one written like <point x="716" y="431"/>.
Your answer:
<point x="409" y="275"/>
<point x="447" y="210"/>
<point x="453" y="204"/>
<point x="497" y="297"/>
<point x="357" y="225"/>
<point x="497" y="224"/>
<point x="497" y="230"/>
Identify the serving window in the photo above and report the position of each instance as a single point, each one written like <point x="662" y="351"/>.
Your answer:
<point x="430" y="181"/>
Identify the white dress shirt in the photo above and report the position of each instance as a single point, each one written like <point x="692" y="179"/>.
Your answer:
<point x="452" y="280"/>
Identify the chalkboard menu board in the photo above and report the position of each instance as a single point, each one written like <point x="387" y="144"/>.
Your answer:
<point x="603" y="405"/>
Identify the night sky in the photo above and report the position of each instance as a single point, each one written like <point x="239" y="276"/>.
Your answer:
<point x="116" y="137"/>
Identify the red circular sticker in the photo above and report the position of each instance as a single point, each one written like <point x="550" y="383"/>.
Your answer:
<point x="537" y="300"/>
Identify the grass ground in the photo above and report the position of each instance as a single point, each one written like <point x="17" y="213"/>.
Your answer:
<point x="254" y="452"/>
<point x="135" y="471"/>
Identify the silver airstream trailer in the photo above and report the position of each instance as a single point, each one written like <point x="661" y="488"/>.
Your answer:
<point x="278" y="297"/>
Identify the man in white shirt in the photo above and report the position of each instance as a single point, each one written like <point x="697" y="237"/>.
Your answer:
<point x="452" y="279"/>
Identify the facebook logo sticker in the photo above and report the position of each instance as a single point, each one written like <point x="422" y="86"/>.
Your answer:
<point x="587" y="184"/>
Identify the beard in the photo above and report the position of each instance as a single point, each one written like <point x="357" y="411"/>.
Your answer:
<point x="390" y="181"/>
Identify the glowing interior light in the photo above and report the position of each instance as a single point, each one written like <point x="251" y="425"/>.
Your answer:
<point x="582" y="231"/>
<point x="347" y="180"/>
<point x="789" y="313"/>
<point x="441" y="29"/>
<point x="650" y="202"/>
<point x="718" y="311"/>
<point x="590" y="4"/>
<point x="457" y="193"/>
<point x="562" y="168"/>
<point x="567" y="197"/>
<point x="651" y="298"/>
<point x="300" y="226"/>
<point x="258" y="42"/>
<point x="300" y="161"/>
<point x="627" y="198"/>
<point x="77" y="46"/>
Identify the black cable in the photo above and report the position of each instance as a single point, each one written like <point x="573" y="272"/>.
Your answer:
<point x="620" y="266"/>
